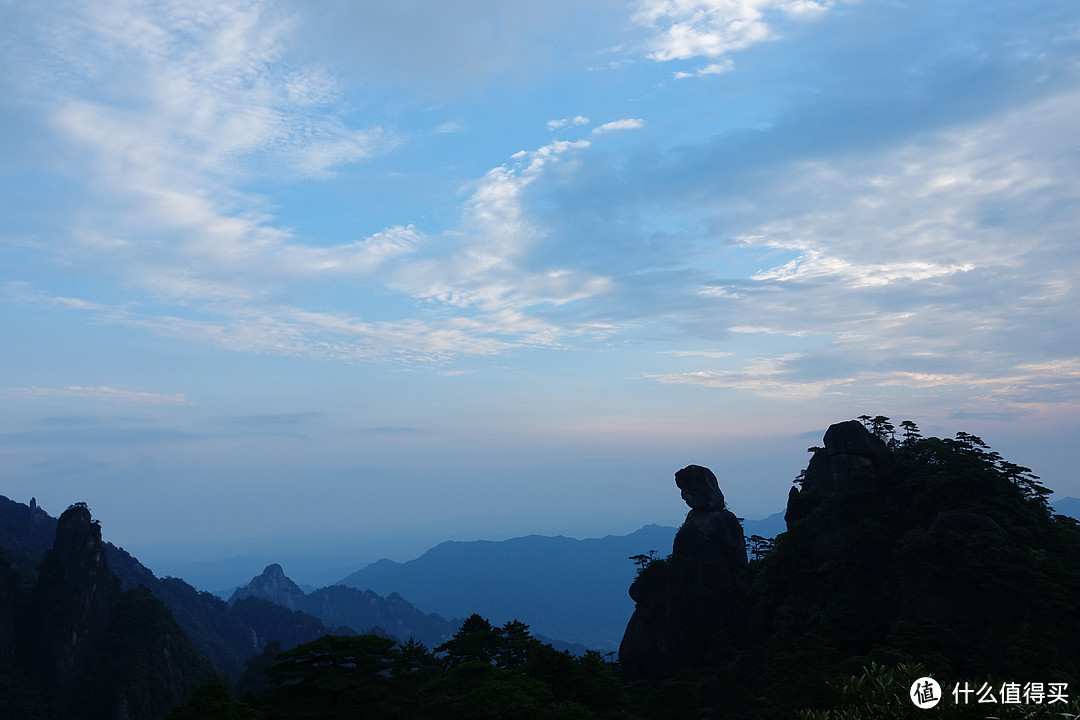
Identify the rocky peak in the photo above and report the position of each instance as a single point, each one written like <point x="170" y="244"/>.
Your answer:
<point x="272" y="585"/>
<point x="78" y="544"/>
<point x="851" y="455"/>
<point x="77" y="593"/>
<point x="851" y="452"/>
<point x="683" y="602"/>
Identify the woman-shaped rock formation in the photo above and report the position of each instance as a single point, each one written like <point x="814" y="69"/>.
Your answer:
<point x="693" y="605"/>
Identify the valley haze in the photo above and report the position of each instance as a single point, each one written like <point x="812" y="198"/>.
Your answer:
<point x="341" y="280"/>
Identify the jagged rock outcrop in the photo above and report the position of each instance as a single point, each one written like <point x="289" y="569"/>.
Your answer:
<point x="851" y="454"/>
<point x="272" y="585"/>
<point x="364" y="610"/>
<point x="694" y="602"/>
<point x="77" y="595"/>
<point x="25" y="535"/>
<point x="81" y="644"/>
<point x="220" y="634"/>
<point x="344" y="610"/>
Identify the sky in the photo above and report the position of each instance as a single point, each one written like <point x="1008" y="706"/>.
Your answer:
<point x="358" y="277"/>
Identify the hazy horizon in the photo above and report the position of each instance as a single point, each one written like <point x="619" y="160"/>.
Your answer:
<point x="356" y="276"/>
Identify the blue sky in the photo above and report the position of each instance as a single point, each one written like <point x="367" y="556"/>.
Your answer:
<point x="342" y="274"/>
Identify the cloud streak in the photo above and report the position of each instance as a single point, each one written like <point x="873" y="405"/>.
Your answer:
<point x="101" y="394"/>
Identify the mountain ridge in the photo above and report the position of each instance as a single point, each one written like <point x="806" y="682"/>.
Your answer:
<point x="529" y="579"/>
<point x="339" y="606"/>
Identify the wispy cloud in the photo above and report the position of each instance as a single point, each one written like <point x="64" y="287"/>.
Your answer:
<point x="215" y="103"/>
<point x="209" y="104"/>
<point x="1018" y="389"/>
<point x="616" y="125"/>
<point x="770" y="377"/>
<point x="717" y="68"/>
<point x="893" y="269"/>
<point x="100" y="394"/>
<point x="566" y="122"/>
<point x="700" y="353"/>
<point x="814" y="264"/>
<point x="20" y="291"/>
<point x="486" y="268"/>
<point x="928" y="240"/>
<point x="480" y="275"/>
<point x="450" y="127"/>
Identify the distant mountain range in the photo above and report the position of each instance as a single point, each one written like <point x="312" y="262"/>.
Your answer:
<point x="573" y="590"/>
<point x="225" y="634"/>
<point x="570" y="589"/>
<point x="1068" y="506"/>
<point x="349" y="609"/>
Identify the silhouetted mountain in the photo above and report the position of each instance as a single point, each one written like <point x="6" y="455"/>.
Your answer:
<point x="223" y="575"/>
<point x="26" y="533"/>
<point x="340" y="606"/>
<point x="272" y="585"/>
<point x="223" y="637"/>
<point x="574" y="590"/>
<point x="767" y="527"/>
<point x="77" y="645"/>
<point x="271" y="621"/>
<point x="927" y="555"/>
<point x="564" y="588"/>
<point x="219" y="635"/>
<point x="1069" y="506"/>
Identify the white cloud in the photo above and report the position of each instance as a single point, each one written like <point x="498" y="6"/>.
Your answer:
<point x="717" y="68"/>
<point x="450" y="127"/>
<point x="979" y="197"/>
<point x="617" y="125"/>
<point x="815" y="264"/>
<point x="205" y="84"/>
<point x="210" y="103"/>
<point x="684" y="29"/>
<point x="762" y="330"/>
<point x="566" y="122"/>
<point x="488" y="268"/>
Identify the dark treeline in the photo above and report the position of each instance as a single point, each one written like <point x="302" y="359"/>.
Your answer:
<point x="482" y="672"/>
